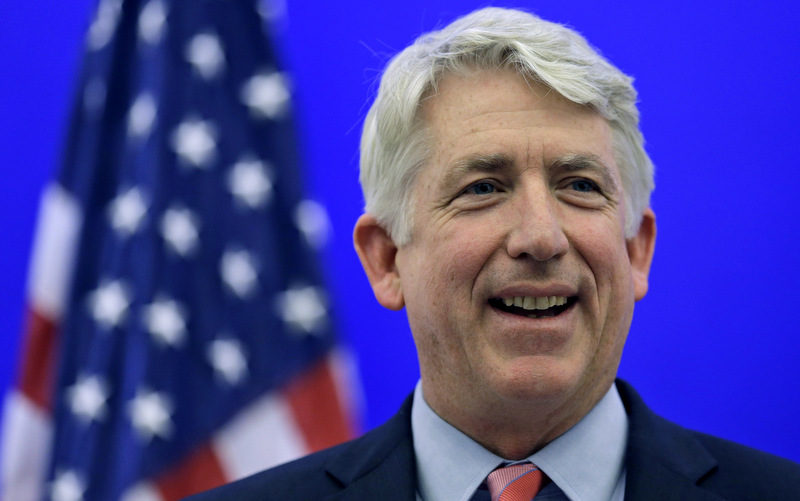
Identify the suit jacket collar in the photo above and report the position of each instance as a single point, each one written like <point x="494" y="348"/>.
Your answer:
<point x="380" y="465"/>
<point x="663" y="460"/>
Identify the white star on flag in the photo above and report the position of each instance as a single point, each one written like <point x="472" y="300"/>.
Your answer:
<point x="179" y="229"/>
<point x="150" y="414"/>
<point x="227" y="357"/>
<point x="266" y="94"/>
<point x="303" y="308"/>
<point x="142" y="491"/>
<point x="312" y="220"/>
<point x="103" y="26"/>
<point x="108" y="304"/>
<point x="67" y="486"/>
<point x="87" y="398"/>
<point x="151" y="21"/>
<point x="204" y="52"/>
<point x="249" y="182"/>
<point x="239" y="271"/>
<point x="165" y="320"/>
<point x="127" y="211"/>
<point x="272" y="11"/>
<point x="142" y="115"/>
<point x="195" y="142"/>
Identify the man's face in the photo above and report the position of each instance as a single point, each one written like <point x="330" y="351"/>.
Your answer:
<point x="517" y="281"/>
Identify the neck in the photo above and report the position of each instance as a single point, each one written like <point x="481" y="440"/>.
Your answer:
<point x="513" y="429"/>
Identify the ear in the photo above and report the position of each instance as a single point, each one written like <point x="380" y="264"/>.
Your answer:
<point x="377" y="252"/>
<point x="640" y="252"/>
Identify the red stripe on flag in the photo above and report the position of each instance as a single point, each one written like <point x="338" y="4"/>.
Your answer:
<point x="317" y="407"/>
<point x="38" y="360"/>
<point x="198" y="472"/>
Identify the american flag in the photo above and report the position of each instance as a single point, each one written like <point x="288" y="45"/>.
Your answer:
<point x="178" y="333"/>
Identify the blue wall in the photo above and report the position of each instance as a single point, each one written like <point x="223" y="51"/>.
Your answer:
<point x="715" y="343"/>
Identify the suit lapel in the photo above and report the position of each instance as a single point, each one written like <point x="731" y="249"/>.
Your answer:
<point x="391" y="480"/>
<point x="663" y="461"/>
<point x="380" y="466"/>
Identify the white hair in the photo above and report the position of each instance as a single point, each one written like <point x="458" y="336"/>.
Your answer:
<point x="394" y="142"/>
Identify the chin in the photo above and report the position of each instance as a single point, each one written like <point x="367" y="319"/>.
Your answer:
<point x="539" y="382"/>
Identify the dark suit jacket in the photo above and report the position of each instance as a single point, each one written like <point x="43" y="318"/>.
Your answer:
<point x="663" y="461"/>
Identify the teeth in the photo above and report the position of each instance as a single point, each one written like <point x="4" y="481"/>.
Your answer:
<point x="535" y="303"/>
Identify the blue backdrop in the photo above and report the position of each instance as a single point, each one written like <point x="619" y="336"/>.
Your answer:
<point x="715" y="343"/>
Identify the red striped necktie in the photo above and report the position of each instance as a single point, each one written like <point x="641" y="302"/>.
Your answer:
<point x="517" y="482"/>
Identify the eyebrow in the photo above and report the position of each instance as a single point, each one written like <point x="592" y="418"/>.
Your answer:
<point x="484" y="163"/>
<point x="583" y="162"/>
<point x="496" y="162"/>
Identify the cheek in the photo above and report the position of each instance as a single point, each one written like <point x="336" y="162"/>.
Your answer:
<point x="475" y="240"/>
<point x="444" y="281"/>
<point x="607" y="256"/>
<point x="460" y="264"/>
<point x="603" y="247"/>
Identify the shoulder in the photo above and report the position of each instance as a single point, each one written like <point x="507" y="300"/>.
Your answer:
<point x="385" y="452"/>
<point x="663" y="456"/>
<point x="746" y="473"/>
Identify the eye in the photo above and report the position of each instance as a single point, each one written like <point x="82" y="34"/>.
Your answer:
<point x="480" y="188"/>
<point x="583" y="185"/>
<point x="583" y="192"/>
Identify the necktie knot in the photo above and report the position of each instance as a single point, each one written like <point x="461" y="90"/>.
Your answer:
<point x="516" y="482"/>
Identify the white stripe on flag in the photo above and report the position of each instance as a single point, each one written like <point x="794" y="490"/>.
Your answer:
<point x="57" y="232"/>
<point x="27" y="432"/>
<point x="261" y="436"/>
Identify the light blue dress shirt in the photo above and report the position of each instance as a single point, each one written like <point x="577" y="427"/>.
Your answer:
<point x="585" y="464"/>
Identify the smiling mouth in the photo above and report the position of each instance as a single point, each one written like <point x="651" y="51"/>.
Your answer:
<point x="534" y="307"/>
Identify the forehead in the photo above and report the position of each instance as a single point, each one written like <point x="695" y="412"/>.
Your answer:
<point x="489" y="112"/>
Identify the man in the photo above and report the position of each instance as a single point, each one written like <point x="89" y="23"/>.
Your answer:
<point x="507" y="209"/>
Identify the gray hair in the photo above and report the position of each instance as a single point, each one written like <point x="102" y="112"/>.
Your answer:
<point x="394" y="143"/>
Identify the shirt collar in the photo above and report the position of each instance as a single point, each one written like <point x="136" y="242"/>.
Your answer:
<point x="586" y="462"/>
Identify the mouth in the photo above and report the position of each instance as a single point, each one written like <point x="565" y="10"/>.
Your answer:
<point x="534" y="307"/>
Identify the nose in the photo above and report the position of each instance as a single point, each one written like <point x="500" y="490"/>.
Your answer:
<point x="536" y="228"/>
